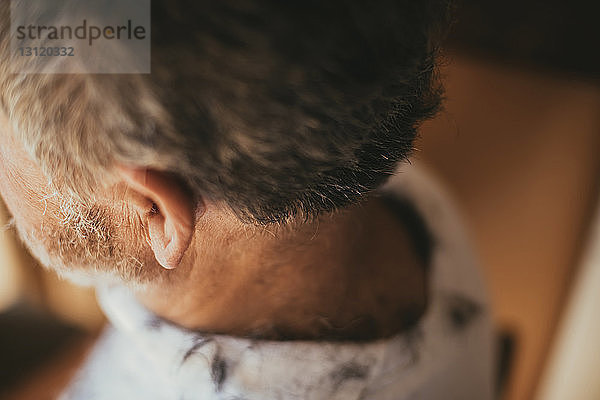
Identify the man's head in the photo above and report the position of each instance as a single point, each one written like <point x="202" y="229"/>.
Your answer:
<point x="255" y="112"/>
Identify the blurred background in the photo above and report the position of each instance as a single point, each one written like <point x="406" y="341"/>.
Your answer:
<point x="518" y="146"/>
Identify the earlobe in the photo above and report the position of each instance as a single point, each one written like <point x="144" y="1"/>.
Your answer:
<point x="167" y="243"/>
<point x="168" y="207"/>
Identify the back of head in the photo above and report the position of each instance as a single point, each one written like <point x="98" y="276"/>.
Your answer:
<point x="278" y="109"/>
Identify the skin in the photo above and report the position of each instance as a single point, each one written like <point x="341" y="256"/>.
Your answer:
<point x="351" y="275"/>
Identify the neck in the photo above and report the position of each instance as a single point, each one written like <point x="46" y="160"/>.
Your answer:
<point x="353" y="275"/>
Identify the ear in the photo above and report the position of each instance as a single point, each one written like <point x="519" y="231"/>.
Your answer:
<point x="168" y="206"/>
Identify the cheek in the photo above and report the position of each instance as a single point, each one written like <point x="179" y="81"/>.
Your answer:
<point x="24" y="195"/>
<point x="23" y="209"/>
<point x="22" y="184"/>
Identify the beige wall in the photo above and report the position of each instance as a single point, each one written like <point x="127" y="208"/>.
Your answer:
<point x="572" y="371"/>
<point x="520" y="151"/>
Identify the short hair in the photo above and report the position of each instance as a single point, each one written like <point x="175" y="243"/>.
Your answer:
<point x="278" y="109"/>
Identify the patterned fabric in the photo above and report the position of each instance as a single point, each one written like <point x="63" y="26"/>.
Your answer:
<point x="448" y="355"/>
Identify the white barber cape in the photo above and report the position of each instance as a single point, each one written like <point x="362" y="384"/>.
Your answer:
<point x="447" y="356"/>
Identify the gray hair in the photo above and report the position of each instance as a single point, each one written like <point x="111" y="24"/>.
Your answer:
<point x="278" y="109"/>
